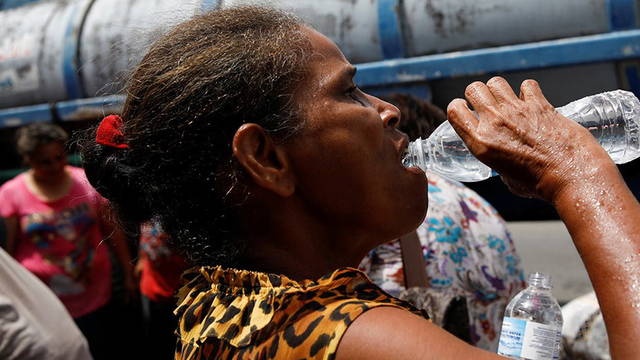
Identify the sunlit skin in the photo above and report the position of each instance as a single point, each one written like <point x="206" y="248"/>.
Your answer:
<point x="339" y="188"/>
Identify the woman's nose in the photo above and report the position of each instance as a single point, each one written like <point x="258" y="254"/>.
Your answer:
<point x="389" y="114"/>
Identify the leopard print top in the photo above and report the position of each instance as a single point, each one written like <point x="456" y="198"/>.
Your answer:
<point x="237" y="314"/>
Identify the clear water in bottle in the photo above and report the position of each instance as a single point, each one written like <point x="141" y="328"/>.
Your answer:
<point x="532" y="324"/>
<point x="445" y="153"/>
<point x="612" y="117"/>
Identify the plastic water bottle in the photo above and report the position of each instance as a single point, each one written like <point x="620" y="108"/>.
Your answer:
<point x="612" y="117"/>
<point x="532" y="324"/>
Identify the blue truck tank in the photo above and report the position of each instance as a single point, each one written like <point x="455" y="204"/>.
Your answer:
<point x="67" y="61"/>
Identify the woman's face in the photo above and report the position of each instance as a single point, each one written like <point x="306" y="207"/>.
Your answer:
<point x="48" y="161"/>
<point x="348" y="156"/>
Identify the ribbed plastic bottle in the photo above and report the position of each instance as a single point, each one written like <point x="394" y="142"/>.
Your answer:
<point x="532" y="324"/>
<point x="612" y="117"/>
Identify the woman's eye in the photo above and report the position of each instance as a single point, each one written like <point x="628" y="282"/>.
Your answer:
<point x="355" y="94"/>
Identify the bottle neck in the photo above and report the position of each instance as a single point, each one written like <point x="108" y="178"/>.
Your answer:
<point x="540" y="281"/>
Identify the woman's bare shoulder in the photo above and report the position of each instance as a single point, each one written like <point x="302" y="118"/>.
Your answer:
<point x="392" y="333"/>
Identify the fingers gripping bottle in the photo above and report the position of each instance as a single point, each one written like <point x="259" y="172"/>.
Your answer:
<point x="612" y="117"/>
<point x="532" y="324"/>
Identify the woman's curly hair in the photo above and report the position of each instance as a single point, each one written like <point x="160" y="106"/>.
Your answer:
<point x="185" y="100"/>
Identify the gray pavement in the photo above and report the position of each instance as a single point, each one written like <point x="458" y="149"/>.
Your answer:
<point x="546" y="246"/>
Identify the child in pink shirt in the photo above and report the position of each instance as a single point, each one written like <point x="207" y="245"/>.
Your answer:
<point x="57" y="230"/>
<point x="59" y="241"/>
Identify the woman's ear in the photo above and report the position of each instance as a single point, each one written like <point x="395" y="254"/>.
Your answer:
<point x="262" y="159"/>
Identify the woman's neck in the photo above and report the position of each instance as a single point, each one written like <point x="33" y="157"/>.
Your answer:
<point x="287" y="236"/>
<point x="299" y="252"/>
<point x="295" y="266"/>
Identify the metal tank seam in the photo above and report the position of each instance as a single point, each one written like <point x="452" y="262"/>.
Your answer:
<point x="71" y="66"/>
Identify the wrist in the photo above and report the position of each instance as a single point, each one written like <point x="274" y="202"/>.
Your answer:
<point x="577" y="174"/>
<point x="581" y="188"/>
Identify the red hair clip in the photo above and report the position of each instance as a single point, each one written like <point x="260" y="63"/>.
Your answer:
<point x="110" y="134"/>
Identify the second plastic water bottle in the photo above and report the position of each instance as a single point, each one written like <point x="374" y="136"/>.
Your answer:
<point x="532" y="324"/>
<point x="612" y="117"/>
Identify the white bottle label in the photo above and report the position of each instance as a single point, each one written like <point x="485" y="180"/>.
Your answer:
<point x="529" y="340"/>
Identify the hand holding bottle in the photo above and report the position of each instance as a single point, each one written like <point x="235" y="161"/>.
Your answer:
<point x="612" y="117"/>
<point x="537" y="151"/>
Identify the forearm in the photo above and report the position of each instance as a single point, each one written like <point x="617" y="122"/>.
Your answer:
<point x="603" y="218"/>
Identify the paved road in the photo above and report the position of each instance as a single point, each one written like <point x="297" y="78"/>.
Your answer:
<point x="545" y="246"/>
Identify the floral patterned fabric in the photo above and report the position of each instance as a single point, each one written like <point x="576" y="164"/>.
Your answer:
<point x="468" y="253"/>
